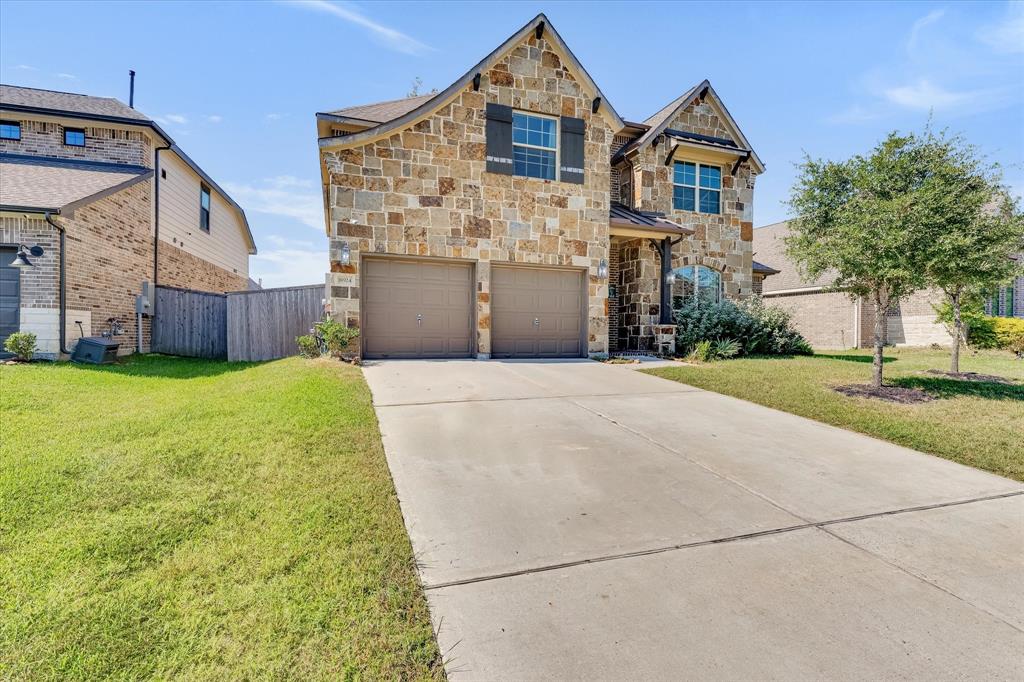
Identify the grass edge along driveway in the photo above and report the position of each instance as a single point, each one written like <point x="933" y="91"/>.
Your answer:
<point x="975" y="423"/>
<point x="171" y="517"/>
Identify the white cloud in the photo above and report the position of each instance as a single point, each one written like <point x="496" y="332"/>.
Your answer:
<point x="1008" y="34"/>
<point x="274" y="117"/>
<point x="214" y="118"/>
<point x="289" y="264"/>
<point x="67" y="76"/>
<point x="180" y="119"/>
<point x="923" y="95"/>
<point x="920" y="25"/>
<point x="283" y="196"/>
<point x="856" y="114"/>
<point x="25" y="67"/>
<point x="392" y="38"/>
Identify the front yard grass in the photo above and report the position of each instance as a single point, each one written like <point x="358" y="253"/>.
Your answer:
<point x="178" y="518"/>
<point x="976" y="423"/>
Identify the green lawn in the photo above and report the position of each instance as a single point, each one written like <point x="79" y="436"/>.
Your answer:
<point x="975" y="423"/>
<point x="202" y="520"/>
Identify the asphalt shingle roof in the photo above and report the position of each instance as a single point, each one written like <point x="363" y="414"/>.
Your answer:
<point x="67" y="101"/>
<point x="41" y="182"/>
<point x="382" y="112"/>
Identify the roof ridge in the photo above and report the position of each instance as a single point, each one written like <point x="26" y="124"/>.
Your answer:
<point x="386" y="101"/>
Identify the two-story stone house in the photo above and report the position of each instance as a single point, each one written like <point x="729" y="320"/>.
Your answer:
<point x="516" y="214"/>
<point x="95" y="199"/>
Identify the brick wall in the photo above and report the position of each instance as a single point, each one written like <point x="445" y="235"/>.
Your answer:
<point x="178" y="268"/>
<point x="826" y="319"/>
<point x="425" y="191"/>
<point x="614" y="285"/>
<point x="42" y="138"/>
<point x="110" y="254"/>
<point x="618" y="142"/>
<point x="39" y="283"/>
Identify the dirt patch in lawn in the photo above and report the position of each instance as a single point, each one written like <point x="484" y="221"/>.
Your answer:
<point x="969" y="376"/>
<point x="891" y="394"/>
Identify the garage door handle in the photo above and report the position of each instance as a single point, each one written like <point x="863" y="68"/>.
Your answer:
<point x="536" y="322"/>
<point x="419" y="320"/>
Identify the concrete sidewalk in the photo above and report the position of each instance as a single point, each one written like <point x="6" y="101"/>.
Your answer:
<point x="577" y="520"/>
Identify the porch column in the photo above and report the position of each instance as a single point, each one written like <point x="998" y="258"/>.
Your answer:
<point x="665" y="312"/>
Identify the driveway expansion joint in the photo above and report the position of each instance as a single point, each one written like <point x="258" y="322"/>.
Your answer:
<point x="536" y="397"/>
<point x="820" y="525"/>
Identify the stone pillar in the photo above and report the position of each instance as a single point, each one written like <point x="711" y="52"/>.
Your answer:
<point x="665" y="339"/>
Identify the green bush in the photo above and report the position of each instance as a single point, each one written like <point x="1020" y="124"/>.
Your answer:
<point x="308" y="346"/>
<point x="979" y="327"/>
<point x="1009" y="332"/>
<point x="751" y="326"/>
<point x="22" y="344"/>
<point x="336" y="336"/>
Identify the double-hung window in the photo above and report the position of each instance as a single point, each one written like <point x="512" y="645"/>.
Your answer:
<point x="204" y="208"/>
<point x="696" y="187"/>
<point x="10" y="130"/>
<point x="534" y="146"/>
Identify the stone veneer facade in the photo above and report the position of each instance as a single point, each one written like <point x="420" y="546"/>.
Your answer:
<point x="425" y="192"/>
<point x="721" y="242"/>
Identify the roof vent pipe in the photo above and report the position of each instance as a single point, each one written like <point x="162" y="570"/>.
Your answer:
<point x="131" y="89"/>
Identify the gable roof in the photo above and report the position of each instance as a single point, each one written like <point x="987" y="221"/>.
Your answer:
<point x="108" y="110"/>
<point x="436" y="101"/>
<point x="46" y="184"/>
<point x="659" y="123"/>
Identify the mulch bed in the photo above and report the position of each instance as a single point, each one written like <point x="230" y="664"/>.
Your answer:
<point x="892" y="394"/>
<point x="969" y="376"/>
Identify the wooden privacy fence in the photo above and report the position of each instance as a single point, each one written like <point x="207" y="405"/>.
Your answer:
<point x="262" y="325"/>
<point x="241" y="325"/>
<point x="191" y="323"/>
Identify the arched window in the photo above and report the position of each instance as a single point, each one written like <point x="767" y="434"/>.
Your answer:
<point x="696" y="284"/>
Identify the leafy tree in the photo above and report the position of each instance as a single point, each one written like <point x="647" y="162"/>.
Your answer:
<point x="974" y="229"/>
<point x="861" y="220"/>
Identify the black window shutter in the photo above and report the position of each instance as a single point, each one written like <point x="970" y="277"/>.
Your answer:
<point x="572" y="150"/>
<point x="499" y="139"/>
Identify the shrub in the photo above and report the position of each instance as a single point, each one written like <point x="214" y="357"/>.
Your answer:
<point x="22" y="344"/>
<point x="752" y="327"/>
<point x="336" y="336"/>
<point x="1009" y="333"/>
<point x="308" y="346"/>
<point x="979" y="327"/>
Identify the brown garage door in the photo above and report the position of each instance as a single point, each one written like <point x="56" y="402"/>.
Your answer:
<point x="536" y="313"/>
<point x="416" y="309"/>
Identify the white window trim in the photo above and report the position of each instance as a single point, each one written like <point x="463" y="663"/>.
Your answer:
<point x="556" y="149"/>
<point x="696" y="188"/>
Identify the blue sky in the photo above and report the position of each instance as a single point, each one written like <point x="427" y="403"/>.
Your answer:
<point x="238" y="83"/>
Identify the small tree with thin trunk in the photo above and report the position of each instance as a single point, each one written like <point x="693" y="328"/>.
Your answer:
<point x="974" y="230"/>
<point x="861" y="220"/>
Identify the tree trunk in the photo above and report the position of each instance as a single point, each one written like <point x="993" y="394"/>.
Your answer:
<point x="876" y="376"/>
<point x="958" y="326"/>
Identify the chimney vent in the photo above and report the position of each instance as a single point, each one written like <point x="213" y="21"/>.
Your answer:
<point x="131" y="89"/>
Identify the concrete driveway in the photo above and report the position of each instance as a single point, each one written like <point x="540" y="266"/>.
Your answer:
<point x="574" y="520"/>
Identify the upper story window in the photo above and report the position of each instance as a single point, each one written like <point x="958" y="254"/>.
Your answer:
<point x="697" y="187"/>
<point x="204" y="208"/>
<point x="74" y="137"/>
<point x="534" y="146"/>
<point x="10" y="130"/>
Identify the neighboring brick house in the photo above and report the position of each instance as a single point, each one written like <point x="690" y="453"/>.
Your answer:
<point x="832" y="319"/>
<point x="516" y="214"/>
<point x="133" y="207"/>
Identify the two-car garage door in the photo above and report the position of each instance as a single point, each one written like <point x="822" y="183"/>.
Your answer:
<point x="424" y="309"/>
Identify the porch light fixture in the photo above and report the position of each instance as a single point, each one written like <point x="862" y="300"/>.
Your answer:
<point x="670" y="278"/>
<point x="346" y="253"/>
<point x="21" y="258"/>
<point x="602" y="269"/>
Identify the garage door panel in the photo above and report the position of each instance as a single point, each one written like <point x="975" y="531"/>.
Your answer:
<point x="520" y="295"/>
<point x="416" y="309"/>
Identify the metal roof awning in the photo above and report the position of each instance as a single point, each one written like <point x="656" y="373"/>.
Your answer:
<point x="625" y="221"/>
